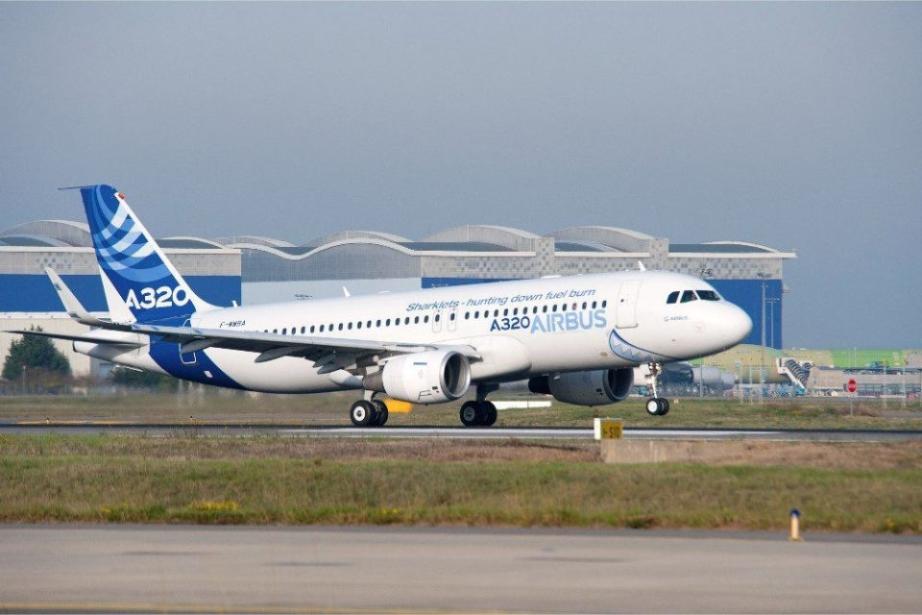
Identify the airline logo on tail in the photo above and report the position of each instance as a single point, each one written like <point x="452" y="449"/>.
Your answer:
<point x="130" y="258"/>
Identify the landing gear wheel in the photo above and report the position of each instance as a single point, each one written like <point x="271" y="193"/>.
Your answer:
<point x="382" y="413"/>
<point x="470" y="414"/>
<point x="363" y="413"/>
<point x="488" y="414"/>
<point x="657" y="406"/>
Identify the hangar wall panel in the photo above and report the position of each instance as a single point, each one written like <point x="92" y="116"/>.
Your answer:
<point x="34" y="293"/>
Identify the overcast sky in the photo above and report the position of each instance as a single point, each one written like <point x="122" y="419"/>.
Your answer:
<point x="795" y="125"/>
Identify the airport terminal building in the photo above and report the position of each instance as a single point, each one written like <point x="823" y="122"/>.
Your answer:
<point x="250" y="270"/>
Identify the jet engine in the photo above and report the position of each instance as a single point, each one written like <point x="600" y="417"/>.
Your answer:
<point x="427" y="377"/>
<point x="593" y="388"/>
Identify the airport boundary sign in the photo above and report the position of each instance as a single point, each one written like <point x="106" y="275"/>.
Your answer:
<point x="852" y="385"/>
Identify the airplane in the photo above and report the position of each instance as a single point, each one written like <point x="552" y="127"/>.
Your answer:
<point x="577" y="338"/>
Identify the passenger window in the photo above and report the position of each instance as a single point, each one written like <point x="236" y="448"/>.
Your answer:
<point x="451" y="317"/>
<point x="387" y="323"/>
<point x="534" y="310"/>
<point x="426" y="317"/>
<point x="554" y="308"/>
<point x="544" y="309"/>
<point x="358" y="325"/>
<point x="673" y="297"/>
<point x="396" y="322"/>
<point x="312" y="328"/>
<point x="275" y="330"/>
<point x="416" y="320"/>
<point x="378" y="323"/>
<point x="321" y="328"/>
<point x="285" y="331"/>
<point x="506" y="312"/>
<point x="605" y="303"/>
<point x="340" y="326"/>
<point x="477" y="314"/>
<point x="594" y="304"/>
<point x="688" y="295"/>
<point x="585" y="305"/>
<point x="406" y="320"/>
<point x="563" y="308"/>
<point x="495" y="313"/>
<point x="708" y="295"/>
<point x="438" y="318"/>
<point x="467" y="316"/>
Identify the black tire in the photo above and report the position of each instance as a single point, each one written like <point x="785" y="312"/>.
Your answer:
<point x="363" y="413"/>
<point x="665" y="409"/>
<point x="382" y="413"/>
<point x="489" y="414"/>
<point x="653" y="406"/>
<point x="470" y="414"/>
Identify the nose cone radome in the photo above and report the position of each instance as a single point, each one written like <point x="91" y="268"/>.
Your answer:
<point x="737" y="325"/>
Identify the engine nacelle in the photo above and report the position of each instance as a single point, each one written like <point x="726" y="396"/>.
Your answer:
<point x="595" y="388"/>
<point x="424" y="377"/>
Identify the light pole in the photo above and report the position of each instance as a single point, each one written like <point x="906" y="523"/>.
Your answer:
<point x="771" y="319"/>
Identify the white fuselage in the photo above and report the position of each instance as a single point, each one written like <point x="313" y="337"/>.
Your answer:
<point x="519" y="328"/>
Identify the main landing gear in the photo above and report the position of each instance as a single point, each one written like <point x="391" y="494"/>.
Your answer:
<point x="479" y="412"/>
<point x="368" y="413"/>
<point x="656" y="405"/>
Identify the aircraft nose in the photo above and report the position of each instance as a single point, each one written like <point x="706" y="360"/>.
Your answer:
<point x="738" y="325"/>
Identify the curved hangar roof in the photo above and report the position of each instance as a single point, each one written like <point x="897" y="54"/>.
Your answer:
<point x="466" y="240"/>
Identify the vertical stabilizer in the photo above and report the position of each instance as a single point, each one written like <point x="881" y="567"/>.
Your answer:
<point x="137" y="276"/>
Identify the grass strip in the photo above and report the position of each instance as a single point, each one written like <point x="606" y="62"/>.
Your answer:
<point x="110" y="484"/>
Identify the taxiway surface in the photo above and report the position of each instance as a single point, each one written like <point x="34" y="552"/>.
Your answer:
<point x="130" y="568"/>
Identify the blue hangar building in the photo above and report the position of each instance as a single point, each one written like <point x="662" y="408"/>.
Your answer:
<point x="248" y="269"/>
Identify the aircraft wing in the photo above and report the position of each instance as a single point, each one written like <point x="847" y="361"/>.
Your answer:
<point x="76" y="337"/>
<point x="328" y="352"/>
<point x="75" y="309"/>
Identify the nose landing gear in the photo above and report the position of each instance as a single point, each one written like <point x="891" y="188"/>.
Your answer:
<point x="656" y="405"/>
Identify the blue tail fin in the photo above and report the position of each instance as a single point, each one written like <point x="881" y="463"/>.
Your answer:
<point x="131" y="260"/>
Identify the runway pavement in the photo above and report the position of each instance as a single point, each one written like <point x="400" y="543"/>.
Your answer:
<point x="532" y="433"/>
<point x="177" y="568"/>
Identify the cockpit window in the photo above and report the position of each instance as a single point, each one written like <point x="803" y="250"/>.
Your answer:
<point x="688" y="295"/>
<point x="708" y="295"/>
<point x="673" y="297"/>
